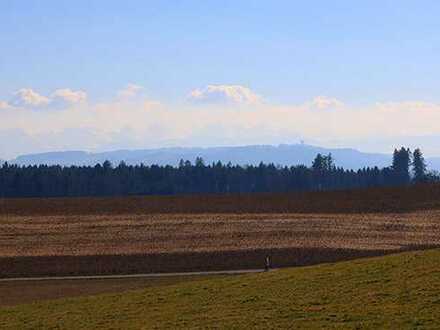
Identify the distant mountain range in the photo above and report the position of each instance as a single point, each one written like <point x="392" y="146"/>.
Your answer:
<point x="253" y="154"/>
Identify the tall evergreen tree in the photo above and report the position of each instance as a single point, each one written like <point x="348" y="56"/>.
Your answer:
<point x="318" y="163"/>
<point x="329" y="163"/>
<point x="419" y="166"/>
<point x="401" y="164"/>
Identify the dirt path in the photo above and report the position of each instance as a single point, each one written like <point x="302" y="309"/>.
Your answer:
<point x="130" y="276"/>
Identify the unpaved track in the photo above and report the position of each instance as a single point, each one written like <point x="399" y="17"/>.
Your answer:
<point x="131" y="276"/>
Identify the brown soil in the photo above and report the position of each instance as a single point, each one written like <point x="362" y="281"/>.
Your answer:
<point x="401" y="199"/>
<point x="201" y="232"/>
<point x="122" y="244"/>
<point x="172" y="233"/>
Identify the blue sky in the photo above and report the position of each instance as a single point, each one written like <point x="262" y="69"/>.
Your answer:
<point x="288" y="52"/>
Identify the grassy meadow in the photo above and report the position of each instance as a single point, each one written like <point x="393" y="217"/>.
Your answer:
<point x="397" y="292"/>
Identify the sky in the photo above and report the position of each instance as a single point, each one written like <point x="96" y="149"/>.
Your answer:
<point x="104" y="75"/>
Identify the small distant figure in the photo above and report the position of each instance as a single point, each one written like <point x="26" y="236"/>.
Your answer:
<point x="268" y="263"/>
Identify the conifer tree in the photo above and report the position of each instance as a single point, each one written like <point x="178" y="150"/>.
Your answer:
<point x="419" y="166"/>
<point x="400" y="167"/>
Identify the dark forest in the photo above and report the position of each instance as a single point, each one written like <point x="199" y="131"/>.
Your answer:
<point x="107" y="180"/>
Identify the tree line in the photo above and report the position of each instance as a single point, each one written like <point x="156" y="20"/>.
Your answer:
<point x="107" y="180"/>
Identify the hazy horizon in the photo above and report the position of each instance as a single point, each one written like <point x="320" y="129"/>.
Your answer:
<point x="200" y="147"/>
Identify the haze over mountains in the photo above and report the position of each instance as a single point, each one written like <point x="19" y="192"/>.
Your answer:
<point x="243" y="155"/>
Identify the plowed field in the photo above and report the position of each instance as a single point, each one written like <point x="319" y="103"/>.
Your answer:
<point x="132" y="243"/>
<point x="172" y="233"/>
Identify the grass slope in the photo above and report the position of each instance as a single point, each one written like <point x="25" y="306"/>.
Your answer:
<point x="399" y="291"/>
<point x="19" y="293"/>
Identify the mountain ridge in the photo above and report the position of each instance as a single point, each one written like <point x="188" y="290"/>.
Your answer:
<point x="283" y="154"/>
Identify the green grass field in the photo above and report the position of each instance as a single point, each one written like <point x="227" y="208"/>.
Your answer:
<point x="393" y="292"/>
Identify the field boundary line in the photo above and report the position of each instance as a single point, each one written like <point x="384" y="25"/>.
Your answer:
<point x="151" y="275"/>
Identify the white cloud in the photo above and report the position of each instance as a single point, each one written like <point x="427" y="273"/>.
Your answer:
<point x="220" y="94"/>
<point x="143" y="123"/>
<point x="324" y="102"/>
<point x="131" y="90"/>
<point x="27" y="97"/>
<point x="69" y="96"/>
